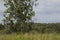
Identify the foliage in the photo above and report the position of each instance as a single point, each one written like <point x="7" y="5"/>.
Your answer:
<point x="1" y="27"/>
<point x="18" y="14"/>
<point x="47" y="28"/>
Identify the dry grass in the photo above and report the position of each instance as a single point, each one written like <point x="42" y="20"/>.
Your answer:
<point x="30" y="36"/>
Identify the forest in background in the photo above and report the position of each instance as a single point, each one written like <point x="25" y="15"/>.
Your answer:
<point x="36" y="28"/>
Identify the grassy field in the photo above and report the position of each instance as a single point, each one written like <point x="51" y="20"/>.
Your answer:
<point x="30" y="36"/>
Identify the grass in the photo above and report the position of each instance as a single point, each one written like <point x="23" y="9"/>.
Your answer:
<point x="30" y="36"/>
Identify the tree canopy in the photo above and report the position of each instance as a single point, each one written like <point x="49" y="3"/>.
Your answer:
<point x="18" y="14"/>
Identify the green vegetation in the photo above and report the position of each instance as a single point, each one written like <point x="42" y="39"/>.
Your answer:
<point x="39" y="32"/>
<point x="47" y="28"/>
<point x="17" y="24"/>
<point x="1" y="27"/>
<point x="38" y="27"/>
<point x="18" y="15"/>
<point x="30" y="36"/>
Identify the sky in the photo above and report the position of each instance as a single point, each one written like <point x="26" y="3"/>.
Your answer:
<point x="47" y="11"/>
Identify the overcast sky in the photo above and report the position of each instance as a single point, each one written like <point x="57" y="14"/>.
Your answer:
<point x="47" y="11"/>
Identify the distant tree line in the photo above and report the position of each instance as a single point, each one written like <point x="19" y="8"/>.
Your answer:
<point x="47" y="28"/>
<point x="42" y="28"/>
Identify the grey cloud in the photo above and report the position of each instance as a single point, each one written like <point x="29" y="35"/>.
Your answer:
<point x="48" y="11"/>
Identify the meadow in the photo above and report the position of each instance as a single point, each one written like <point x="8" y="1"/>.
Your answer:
<point x="30" y="36"/>
<point x="39" y="32"/>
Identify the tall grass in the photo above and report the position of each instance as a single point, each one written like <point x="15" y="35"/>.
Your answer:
<point x="30" y="36"/>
